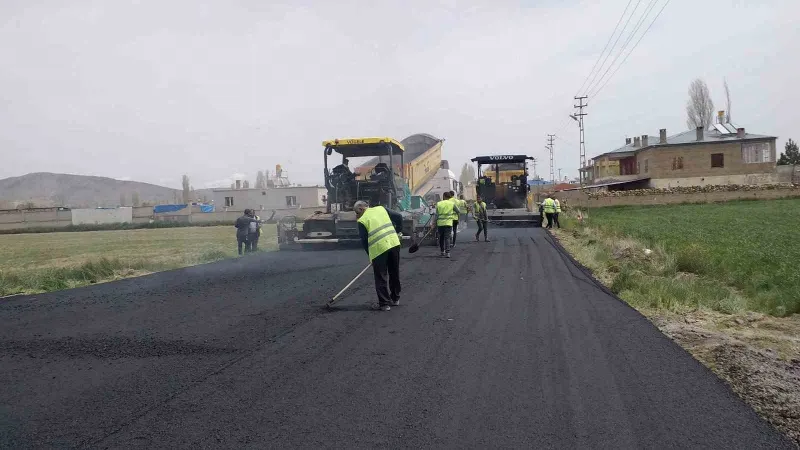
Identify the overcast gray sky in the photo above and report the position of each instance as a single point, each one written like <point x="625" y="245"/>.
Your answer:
<point x="149" y="90"/>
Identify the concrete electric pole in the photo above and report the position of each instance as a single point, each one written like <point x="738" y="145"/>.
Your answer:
<point x="550" y="139"/>
<point x="579" y="117"/>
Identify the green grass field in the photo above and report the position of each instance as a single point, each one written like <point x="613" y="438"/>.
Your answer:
<point x="50" y="261"/>
<point x="750" y="246"/>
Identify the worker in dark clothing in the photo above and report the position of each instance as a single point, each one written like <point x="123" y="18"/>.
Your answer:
<point x="254" y="231"/>
<point x="242" y="230"/>
<point x="379" y="228"/>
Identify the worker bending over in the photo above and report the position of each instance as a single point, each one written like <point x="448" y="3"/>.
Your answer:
<point x="549" y="206"/>
<point x="445" y="211"/>
<point x="479" y="212"/>
<point x="379" y="228"/>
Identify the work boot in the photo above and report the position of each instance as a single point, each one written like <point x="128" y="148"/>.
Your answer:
<point x="477" y="239"/>
<point x="395" y="302"/>
<point x="442" y="253"/>
<point x="448" y="254"/>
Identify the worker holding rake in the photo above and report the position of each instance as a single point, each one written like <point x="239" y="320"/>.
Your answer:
<point x="379" y="228"/>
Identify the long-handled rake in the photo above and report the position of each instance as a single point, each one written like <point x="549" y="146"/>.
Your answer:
<point x="335" y="297"/>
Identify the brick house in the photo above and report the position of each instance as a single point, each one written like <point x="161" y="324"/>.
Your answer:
<point x="720" y="155"/>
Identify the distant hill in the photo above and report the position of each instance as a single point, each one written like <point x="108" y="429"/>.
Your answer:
<point x="58" y="189"/>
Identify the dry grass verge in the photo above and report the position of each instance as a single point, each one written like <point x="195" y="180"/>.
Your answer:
<point x="35" y="263"/>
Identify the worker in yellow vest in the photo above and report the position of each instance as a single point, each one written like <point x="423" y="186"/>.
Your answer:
<point x="549" y="207"/>
<point x="378" y="228"/>
<point x="558" y="211"/>
<point x="479" y="212"/>
<point x="445" y="213"/>
<point x="460" y="208"/>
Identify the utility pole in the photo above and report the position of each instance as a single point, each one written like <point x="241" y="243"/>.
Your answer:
<point x="550" y="138"/>
<point x="579" y="117"/>
<point x="559" y="175"/>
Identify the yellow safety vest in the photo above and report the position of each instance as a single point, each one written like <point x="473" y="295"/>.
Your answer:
<point x="558" y="206"/>
<point x="480" y="208"/>
<point x="381" y="235"/>
<point x="460" y="207"/>
<point x="549" y="205"/>
<point x="445" y="210"/>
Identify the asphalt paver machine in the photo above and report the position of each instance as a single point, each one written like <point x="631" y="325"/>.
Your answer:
<point x="383" y="184"/>
<point x="503" y="185"/>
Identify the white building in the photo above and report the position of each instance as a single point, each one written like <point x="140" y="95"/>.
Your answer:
<point x="270" y="198"/>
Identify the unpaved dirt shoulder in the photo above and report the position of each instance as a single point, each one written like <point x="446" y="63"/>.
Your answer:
<point x="757" y="355"/>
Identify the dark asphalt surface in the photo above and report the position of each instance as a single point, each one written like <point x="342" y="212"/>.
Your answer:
<point x="508" y="344"/>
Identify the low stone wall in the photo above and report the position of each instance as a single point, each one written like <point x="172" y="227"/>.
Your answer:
<point x="186" y="216"/>
<point x="27" y="219"/>
<point x="704" y="194"/>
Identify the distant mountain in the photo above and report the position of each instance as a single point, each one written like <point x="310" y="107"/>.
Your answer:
<point x="58" y="189"/>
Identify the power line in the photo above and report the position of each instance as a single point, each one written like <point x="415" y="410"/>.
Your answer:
<point x="625" y="45"/>
<point x="604" y="48"/>
<point x="597" y="92"/>
<point x="615" y="42"/>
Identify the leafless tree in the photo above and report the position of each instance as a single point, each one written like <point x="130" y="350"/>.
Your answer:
<point x="122" y="199"/>
<point x="727" y="101"/>
<point x="700" y="107"/>
<point x="186" y="189"/>
<point x="135" y="199"/>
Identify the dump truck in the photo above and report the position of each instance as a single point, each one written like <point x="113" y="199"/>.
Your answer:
<point x="336" y="227"/>
<point x="422" y="158"/>
<point x="503" y="185"/>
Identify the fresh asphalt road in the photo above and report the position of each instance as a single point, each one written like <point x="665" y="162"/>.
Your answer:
<point x="508" y="344"/>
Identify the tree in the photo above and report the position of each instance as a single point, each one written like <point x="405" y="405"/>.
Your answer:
<point x="261" y="180"/>
<point x="467" y="174"/>
<point x="135" y="199"/>
<point x="186" y="189"/>
<point x="192" y="194"/>
<point x="727" y="102"/>
<point x="122" y="199"/>
<point x="699" y="107"/>
<point x="791" y="155"/>
<point x="246" y="184"/>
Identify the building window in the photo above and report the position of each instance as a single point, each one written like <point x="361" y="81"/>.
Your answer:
<point x="646" y="165"/>
<point x="291" y="200"/>
<point x="757" y="152"/>
<point x="677" y="163"/>
<point x="717" y="160"/>
<point x="228" y="201"/>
